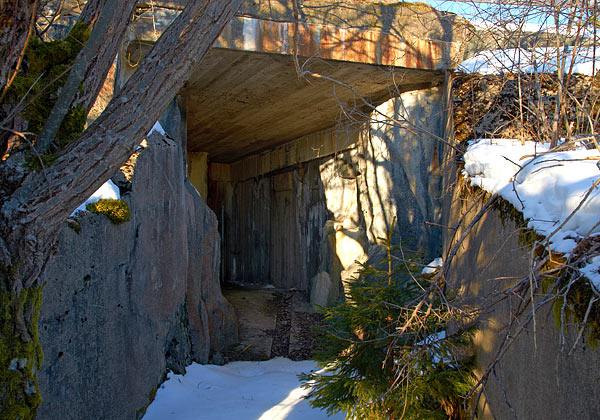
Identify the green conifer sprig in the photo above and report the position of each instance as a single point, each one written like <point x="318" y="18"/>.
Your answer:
<point x="384" y="356"/>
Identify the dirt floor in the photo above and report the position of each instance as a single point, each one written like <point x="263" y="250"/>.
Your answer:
<point x="272" y="323"/>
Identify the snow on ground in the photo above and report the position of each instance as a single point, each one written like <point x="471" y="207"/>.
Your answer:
<point x="108" y="190"/>
<point x="540" y="60"/>
<point x="237" y="391"/>
<point x="545" y="186"/>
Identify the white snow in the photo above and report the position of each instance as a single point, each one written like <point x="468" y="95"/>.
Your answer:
<point x="540" y="60"/>
<point x="495" y="25"/>
<point x="545" y="186"/>
<point x="108" y="190"/>
<point x="433" y="266"/>
<point x="267" y="390"/>
<point x="157" y="127"/>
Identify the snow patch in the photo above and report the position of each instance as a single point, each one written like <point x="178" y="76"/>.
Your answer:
<point x="545" y="186"/>
<point x="433" y="266"/>
<point x="108" y="190"/>
<point x="267" y="390"/>
<point x="586" y="60"/>
<point x="158" y="128"/>
<point x="592" y="271"/>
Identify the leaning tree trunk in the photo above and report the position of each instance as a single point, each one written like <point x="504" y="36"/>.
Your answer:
<point x="31" y="216"/>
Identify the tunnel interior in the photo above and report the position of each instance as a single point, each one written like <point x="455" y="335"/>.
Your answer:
<point x="265" y="149"/>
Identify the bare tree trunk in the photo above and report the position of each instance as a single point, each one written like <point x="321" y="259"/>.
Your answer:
<point x="31" y="215"/>
<point x="105" y="56"/>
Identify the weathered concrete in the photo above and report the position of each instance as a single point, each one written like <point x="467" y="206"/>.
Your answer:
<point x="197" y="172"/>
<point x="305" y="214"/>
<point x="535" y="378"/>
<point x="277" y="74"/>
<point x="272" y="227"/>
<point x="124" y="303"/>
<point x="398" y="20"/>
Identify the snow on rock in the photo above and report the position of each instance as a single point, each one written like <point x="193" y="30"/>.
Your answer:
<point x="108" y="190"/>
<point x="540" y="60"/>
<point x="545" y="186"/>
<point x="267" y="390"/>
<point x="433" y="266"/>
<point x="157" y="127"/>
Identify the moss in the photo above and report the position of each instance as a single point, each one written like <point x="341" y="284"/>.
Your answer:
<point x="140" y="412"/>
<point x="45" y="70"/>
<point x="579" y="294"/>
<point x="20" y="353"/>
<point x="32" y="162"/>
<point x="74" y="224"/>
<point x="575" y="305"/>
<point x="116" y="210"/>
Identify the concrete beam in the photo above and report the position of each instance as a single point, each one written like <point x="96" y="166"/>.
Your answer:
<point x="344" y="44"/>
<point x="299" y="151"/>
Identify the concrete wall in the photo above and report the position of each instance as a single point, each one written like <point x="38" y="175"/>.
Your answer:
<point x="535" y="378"/>
<point x="275" y="228"/>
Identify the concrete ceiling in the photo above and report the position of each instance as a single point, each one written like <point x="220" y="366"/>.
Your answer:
<point x="241" y="103"/>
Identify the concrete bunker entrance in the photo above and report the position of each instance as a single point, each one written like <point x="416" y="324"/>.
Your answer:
<point x="261" y="144"/>
<point x="289" y="167"/>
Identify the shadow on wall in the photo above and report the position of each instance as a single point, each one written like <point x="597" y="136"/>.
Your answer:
<point x="309" y="226"/>
<point x="536" y="376"/>
<point x="273" y="227"/>
<point x="401" y="185"/>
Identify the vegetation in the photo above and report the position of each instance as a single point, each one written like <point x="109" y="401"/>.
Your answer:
<point x="393" y="349"/>
<point x="49" y="163"/>
<point x="20" y="352"/>
<point x="35" y="89"/>
<point x="116" y="210"/>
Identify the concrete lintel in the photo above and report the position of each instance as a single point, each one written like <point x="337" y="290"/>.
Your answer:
<point x="304" y="149"/>
<point x="343" y="44"/>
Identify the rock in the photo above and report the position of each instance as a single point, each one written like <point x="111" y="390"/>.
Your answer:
<point x="123" y="304"/>
<point x="217" y="359"/>
<point x="320" y="289"/>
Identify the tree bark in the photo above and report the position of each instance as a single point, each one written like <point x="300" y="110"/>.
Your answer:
<point x="113" y="39"/>
<point x="33" y="212"/>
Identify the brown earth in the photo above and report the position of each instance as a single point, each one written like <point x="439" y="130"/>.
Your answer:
<point x="272" y="323"/>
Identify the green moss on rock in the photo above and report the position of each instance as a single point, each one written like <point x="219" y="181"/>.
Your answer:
<point x="575" y="305"/>
<point x="116" y="210"/>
